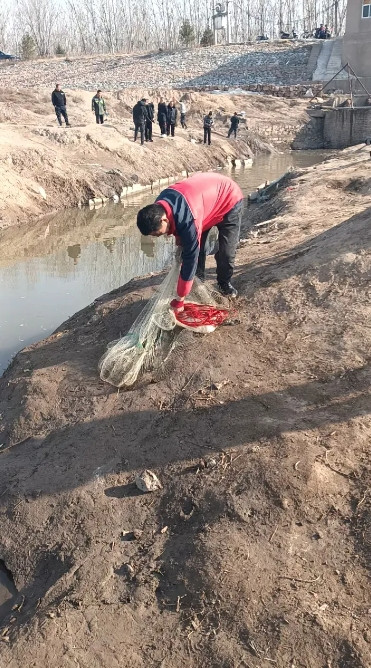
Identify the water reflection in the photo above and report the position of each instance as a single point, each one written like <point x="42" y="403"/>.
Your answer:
<point x="74" y="252"/>
<point x="54" y="267"/>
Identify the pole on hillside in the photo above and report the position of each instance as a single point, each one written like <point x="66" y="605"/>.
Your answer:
<point x="228" y="33"/>
<point x="336" y="16"/>
<point x="214" y="24"/>
<point x="350" y="81"/>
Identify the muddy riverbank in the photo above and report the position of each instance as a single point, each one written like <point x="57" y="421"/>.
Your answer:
<point x="257" y="549"/>
<point x="53" y="267"/>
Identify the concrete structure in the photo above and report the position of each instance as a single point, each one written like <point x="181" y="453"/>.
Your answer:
<point x="329" y="59"/>
<point x="344" y="127"/>
<point x="357" y="39"/>
<point x="335" y="128"/>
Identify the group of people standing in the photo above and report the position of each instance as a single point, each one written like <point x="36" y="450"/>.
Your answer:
<point x="144" y="116"/>
<point x="167" y="116"/>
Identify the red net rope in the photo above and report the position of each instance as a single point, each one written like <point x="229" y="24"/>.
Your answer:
<point x="200" y="315"/>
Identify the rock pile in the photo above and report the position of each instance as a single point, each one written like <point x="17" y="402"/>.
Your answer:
<point x="277" y="63"/>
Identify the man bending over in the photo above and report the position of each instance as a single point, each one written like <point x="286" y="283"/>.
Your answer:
<point x="188" y="210"/>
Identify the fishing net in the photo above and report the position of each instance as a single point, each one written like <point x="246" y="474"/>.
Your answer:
<point x="201" y="318"/>
<point x="152" y="336"/>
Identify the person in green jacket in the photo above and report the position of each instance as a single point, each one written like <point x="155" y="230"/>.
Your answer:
<point x="98" y="105"/>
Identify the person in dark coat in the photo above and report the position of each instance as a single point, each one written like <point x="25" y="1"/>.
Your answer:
<point x="172" y="114"/>
<point x="149" y="121"/>
<point x="234" y="125"/>
<point x="60" y="105"/>
<point x="208" y="123"/>
<point x="140" y="119"/>
<point x="162" y="116"/>
<point x="98" y="106"/>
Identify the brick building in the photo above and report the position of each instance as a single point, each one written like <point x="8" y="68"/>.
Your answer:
<point x="357" y="38"/>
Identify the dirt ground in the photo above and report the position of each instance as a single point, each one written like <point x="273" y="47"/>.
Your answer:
<point x="256" y="552"/>
<point x="44" y="168"/>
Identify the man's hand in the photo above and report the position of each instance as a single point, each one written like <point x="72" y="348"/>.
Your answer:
<point x="177" y="305"/>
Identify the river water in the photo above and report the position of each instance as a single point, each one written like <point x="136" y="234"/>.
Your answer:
<point x="54" y="267"/>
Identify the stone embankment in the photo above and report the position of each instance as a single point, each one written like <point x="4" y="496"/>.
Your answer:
<point x="298" y="90"/>
<point x="275" y="63"/>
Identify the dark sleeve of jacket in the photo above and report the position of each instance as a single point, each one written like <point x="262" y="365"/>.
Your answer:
<point x="64" y="99"/>
<point x="53" y="98"/>
<point x="186" y="231"/>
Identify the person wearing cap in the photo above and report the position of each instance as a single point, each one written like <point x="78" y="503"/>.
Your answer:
<point x="188" y="210"/>
<point x="140" y="117"/>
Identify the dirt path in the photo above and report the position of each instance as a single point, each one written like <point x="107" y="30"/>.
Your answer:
<point x="256" y="552"/>
<point x="44" y="168"/>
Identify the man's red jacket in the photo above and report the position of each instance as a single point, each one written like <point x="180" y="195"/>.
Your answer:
<point x="192" y="207"/>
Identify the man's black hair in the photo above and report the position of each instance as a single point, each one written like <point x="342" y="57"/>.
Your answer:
<point x="149" y="218"/>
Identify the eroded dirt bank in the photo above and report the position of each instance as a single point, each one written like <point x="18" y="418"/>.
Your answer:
<point x="44" y="168"/>
<point x="256" y="552"/>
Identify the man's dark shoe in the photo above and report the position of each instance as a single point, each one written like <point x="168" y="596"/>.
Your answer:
<point x="68" y="125"/>
<point x="228" y="290"/>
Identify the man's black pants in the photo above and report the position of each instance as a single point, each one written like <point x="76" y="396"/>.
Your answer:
<point x="207" y="135"/>
<point x="148" y="130"/>
<point x="171" y="129"/>
<point x="229" y="234"/>
<point x="139" y="127"/>
<point x="61" y="111"/>
<point x="234" y="130"/>
<point x="163" y="124"/>
<point x="99" y="118"/>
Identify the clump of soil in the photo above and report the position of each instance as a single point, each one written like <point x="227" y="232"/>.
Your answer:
<point x="256" y="551"/>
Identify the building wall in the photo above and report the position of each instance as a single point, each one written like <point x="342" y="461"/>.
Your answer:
<point x="335" y="128"/>
<point x="357" y="39"/>
<point x="346" y="127"/>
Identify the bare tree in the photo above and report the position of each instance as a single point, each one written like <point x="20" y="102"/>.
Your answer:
<point x="99" y="26"/>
